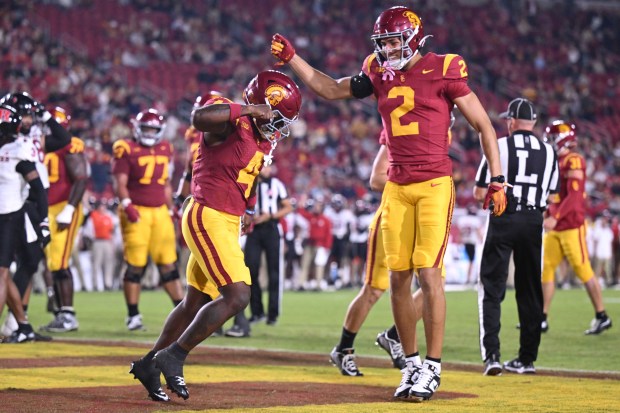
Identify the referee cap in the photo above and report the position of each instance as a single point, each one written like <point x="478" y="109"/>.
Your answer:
<point x="519" y="108"/>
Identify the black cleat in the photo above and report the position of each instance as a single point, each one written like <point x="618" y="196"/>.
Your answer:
<point x="172" y="369"/>
<point x="147" y="372"/>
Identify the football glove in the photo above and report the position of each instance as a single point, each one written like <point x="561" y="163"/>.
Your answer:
<point x="45" y="236"/>
<point x="282" y="48"/>
<point x="132" y="213"/>
<point x="65" y="216"/>
<point x="495" y="199"/>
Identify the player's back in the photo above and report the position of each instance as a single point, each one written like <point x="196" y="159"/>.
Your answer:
<point x="573" y="161"/>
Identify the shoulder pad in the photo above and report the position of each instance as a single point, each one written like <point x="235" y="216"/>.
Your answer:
<point x="370" y="64"/>
<point x="25" y="150"/>
<point x="76" y="145"/>
<point x="121" y="148"/>
<point x="454" y="67"/>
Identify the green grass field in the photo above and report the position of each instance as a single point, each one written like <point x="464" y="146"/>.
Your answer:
<point x="312" y="322"/>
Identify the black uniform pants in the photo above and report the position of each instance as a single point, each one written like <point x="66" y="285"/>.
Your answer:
<point x="264" y="237"/>
<point x="28" y="254"/>
<point x="519" y="233"/>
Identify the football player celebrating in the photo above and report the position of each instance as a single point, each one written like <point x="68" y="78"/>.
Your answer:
<point x="565" y="226"/>
<point x="415" y="94"/>
<point x="68" y="173"/>
<point x="141" y="170"/>
<point x="237" y="141"/>
<point x="18" y="157"/>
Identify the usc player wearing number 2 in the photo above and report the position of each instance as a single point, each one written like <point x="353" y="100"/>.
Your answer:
<point x="237" y="140"/>
<point x="415" y="94"/>
<point x="142" y="168"/>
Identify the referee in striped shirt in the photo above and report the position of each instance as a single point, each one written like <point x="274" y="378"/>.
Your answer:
<point x="530" y="166"/>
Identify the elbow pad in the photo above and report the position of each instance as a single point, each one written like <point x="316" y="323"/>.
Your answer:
<point x="361" y="86"/>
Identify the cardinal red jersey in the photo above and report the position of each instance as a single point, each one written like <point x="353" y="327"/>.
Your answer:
<point x="577" y="213"/>
<point x="223" y="174"/>
<point x="193" y="138"/>
<point x="147" y="168"/>
<point x="60" y="182"/>
<point x="415" y="109"/>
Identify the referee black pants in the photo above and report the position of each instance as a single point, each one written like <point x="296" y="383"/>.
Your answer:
<point x="519" y="233"/>
<point x="264" y="237"/>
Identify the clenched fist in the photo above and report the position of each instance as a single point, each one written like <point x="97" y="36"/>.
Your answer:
<point x="282" y="48"/>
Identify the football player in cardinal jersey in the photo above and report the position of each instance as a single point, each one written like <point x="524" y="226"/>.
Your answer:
<point x="237" y="140"/>
<point x="41" y="128"/>
<point x="17" y="172"/>
<point x="415" y="95"/>
<point x="142" y="167"/>
<point x="565" y="225"/>
<point x="68" y="173"/>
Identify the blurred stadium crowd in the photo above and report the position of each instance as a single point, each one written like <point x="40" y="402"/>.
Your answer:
<point x="105" y="60"/>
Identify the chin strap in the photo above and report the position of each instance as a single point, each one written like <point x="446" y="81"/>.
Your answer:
<point x="268" y="159"/>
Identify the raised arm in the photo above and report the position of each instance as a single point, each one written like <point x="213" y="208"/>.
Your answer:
<point x="320" y="83"/>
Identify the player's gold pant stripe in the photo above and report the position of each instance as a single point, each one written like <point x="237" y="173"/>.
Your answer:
<point x="213" y="249"/>
<point x="582" y="243"/>
<point x="372" y="247"/>
<point x="66" y="254"/>
<point x="193" y="222"/>
<point x="439" y="260"/>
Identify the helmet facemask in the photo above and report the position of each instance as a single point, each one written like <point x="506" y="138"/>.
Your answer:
<point x="406" y="52"/>
<point x="277" y="128"/>
<point x="148" y="135"/>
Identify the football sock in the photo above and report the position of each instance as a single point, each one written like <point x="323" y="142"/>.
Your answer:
<point x="346" y="339"/>
<point x="393" y="333"/>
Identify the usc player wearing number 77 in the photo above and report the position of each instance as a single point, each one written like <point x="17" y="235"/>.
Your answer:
<point x="142" y="170"/>
<point x="415" y="95"/>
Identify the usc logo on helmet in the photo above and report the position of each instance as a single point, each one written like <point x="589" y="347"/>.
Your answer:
<point x="412" y="17"/>
<point x="275" y="94"/>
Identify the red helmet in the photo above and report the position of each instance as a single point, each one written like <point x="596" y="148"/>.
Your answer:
<point x="282" y="94"/>
<point x="61" y="116"/>
<point x="201" y="100"/>
<point x="561" y="134"/>
<point x="398" y="22"/>
<point x="148" y="127"/>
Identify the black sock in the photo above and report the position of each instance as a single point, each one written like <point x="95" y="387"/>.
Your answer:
<point x="25" y="308"/>
<point x="544" y="316"/>
<point x="132" y="309"/>
<point x="346" y="339"/>
<point x="393" y="333"/>
<point x="417" y="353"/>
<point x="601" y="315"/>
<point x="433" y="359"/>
<point x="178" y="352"/>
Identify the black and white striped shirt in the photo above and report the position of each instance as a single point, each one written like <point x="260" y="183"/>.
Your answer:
<point x="270" y="193"/>
<point x="529" y="164"/>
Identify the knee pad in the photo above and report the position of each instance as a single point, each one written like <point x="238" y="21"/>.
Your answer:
<point x="169" y="276"/>
<point x="61" y="275"/>
<point x="132" y="276"/>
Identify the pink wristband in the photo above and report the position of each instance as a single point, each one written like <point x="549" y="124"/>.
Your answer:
<point x="235" y="111"/>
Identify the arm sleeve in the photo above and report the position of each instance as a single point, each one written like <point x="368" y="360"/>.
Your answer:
<point x="361" y="86"/>
<point x="58" y="138"/>
<point x="37" y="192"/>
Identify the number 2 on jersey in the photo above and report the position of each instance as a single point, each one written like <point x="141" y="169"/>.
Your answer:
<point x="398" y="129"/>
